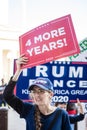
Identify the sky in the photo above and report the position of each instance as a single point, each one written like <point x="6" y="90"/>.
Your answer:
<point x="47" y="10"/>
<point x="28" y="14"/>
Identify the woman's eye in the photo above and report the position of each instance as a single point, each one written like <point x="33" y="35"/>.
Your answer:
<point x="38" y="91"/>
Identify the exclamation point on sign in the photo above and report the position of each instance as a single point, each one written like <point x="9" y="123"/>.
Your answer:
<point x="64" y="40"/>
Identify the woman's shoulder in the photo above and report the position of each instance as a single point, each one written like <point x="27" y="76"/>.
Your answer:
<point x="62" y="111"/>
<point x="28" y="109"/>
<point x="29" y="105"/>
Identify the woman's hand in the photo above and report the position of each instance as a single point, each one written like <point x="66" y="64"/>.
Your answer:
<point x="22" y="60"/>
<point x="80" y="108"/>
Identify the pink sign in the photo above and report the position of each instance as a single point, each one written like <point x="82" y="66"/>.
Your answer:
<point x="50" y="41"/>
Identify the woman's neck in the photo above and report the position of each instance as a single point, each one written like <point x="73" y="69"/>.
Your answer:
<point x="46" y="110"/>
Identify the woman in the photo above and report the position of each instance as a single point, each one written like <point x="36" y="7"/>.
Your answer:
<point x="76" y="111"/>
<point x="41" y="114"/>
<point x="78" y="115"/>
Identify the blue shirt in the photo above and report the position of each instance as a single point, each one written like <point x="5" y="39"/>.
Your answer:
<point x="27" y="111"/>
<point x="62" y="122"/>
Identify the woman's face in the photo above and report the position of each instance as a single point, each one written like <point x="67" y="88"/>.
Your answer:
<point x="63" y="106"/>
<point x="41" y="96"/>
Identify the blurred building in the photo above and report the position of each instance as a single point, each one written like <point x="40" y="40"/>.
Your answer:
<point x="10" y="30"/>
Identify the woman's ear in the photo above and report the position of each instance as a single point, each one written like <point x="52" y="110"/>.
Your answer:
<point x="51" y="94"/>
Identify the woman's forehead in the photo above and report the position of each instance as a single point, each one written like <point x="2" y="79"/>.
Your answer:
<point x="37" y="88"/>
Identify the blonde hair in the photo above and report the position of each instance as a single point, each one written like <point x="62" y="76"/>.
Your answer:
<point x="37" y="118"/>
